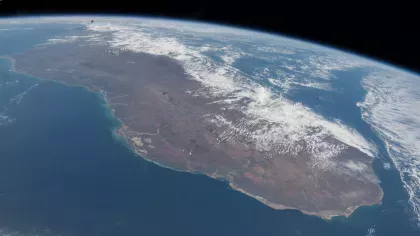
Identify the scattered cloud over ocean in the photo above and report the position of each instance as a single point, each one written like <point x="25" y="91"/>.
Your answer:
<point x="392" y="108"/>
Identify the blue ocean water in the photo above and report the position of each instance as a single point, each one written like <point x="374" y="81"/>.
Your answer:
<point x="62" y="171"/>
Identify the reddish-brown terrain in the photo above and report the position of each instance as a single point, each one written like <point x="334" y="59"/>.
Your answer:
<point x="165" y="122"/>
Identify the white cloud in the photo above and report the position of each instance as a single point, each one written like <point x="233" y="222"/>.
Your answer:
<point x="272" y="122"/>
<point x="392" y="107"/>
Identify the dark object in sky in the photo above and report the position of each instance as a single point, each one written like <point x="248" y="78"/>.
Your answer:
<point x="91" y="21"/>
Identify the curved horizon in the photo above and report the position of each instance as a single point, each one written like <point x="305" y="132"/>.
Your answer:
<point x="379" y="61"/>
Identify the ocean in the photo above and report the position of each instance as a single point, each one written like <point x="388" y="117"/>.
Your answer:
<point x="64" y="172"/>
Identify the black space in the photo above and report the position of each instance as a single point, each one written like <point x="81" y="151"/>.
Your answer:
<point x="387" y="31"/>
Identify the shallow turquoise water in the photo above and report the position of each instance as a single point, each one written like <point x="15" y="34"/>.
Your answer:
<point x="63" y="172"/>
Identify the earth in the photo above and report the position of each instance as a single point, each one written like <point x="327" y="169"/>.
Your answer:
<point x="288" y="123"/>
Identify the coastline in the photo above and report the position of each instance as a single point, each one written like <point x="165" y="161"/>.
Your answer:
<point x="13" y="62"/>
<point x="327" y="215"/>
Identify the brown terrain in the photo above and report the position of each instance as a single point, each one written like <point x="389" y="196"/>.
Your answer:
<point x="165" y="124"/>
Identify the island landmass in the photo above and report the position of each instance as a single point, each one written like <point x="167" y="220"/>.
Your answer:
<point x="166" y="121"/>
